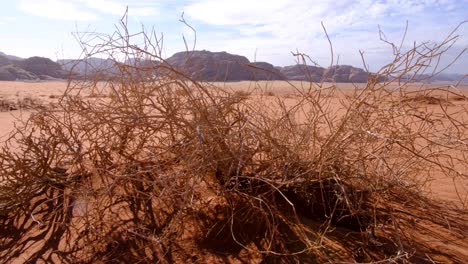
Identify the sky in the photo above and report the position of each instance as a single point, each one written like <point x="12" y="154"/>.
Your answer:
<point x="261" y="30"/>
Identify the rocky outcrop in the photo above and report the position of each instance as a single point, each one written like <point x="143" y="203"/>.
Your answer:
<point x="339" y="73"/>
<point x="345" y="74"/>
<point x="4" y="60"/>
<point x="221" y="66"/>
<point x="302" y="72"/>
<point x="266" y="71"/>
<point x="13" y="73"/>
<point x="35" y="68"/>
<point x="44" y="68"/>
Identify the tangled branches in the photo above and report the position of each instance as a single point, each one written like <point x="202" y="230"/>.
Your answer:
<point x="156" y="167"/>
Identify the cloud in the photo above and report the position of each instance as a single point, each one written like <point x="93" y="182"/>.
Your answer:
<point x="115" y="7"/>
<point x="104" y="6"/>
<point x="5" y="19"/>
<point x="352" y="25"/>
<point x="85" y="10"/>
<point x="271" y="29"/>
<point x="286" y="18"/>
<point x="55" y="9"/>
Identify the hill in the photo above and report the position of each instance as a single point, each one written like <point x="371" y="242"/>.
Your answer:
<point x="43" y="68"/>
<point x="221" y="66"/>
<point x="34" y="68"/>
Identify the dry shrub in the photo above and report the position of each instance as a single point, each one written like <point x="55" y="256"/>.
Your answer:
<point x="22" y="103"/>
<point x="6" y="105"/>
<point x="241" y="94"/>
<point x="269" y="93"/>
<point x="167" y="169"/>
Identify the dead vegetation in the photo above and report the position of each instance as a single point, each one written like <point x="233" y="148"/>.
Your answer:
<point x="166" y="169"/>
<point x="19" y="103"/>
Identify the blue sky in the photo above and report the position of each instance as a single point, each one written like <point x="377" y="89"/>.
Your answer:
<point x="262" y="30"/>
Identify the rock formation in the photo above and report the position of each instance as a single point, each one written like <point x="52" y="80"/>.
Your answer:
<point x="221" y="66"/>
<point x="198" y="65"/>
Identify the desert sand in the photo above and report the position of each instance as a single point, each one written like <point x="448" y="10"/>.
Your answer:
<point x="48" y="92"/>
<point x="14" y="93"/>
<point x="445" y="189"/>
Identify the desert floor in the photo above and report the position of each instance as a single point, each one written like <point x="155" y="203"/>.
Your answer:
<point x="13" y="93"/>
<point x="30" y="94"/>
<point x="17" y="99"/>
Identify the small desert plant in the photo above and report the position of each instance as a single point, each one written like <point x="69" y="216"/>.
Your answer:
<point x="26" y="102"/>
<point x="167" y="169"/>
<point x="269" y="93"/>
<point x="241" y="94"/>
<point x="5" y="105"/>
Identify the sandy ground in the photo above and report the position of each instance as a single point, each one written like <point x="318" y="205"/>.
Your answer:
<point x="48" y="93"/>
<point x="17" y="92"/>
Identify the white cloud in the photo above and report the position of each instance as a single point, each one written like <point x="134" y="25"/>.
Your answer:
<point x="104" y="6"/>
<point x="55" y="9"/>
<point x="85" y="10"/>
<point x="116" y="7"/>
<point x="271" y="26"/>
<point x="6" y="19"/>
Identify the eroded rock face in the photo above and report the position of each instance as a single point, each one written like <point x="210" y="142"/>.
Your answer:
<point x="221" y="66"/>
<point x="4" y="60"/>
<point x="345" y="73"/>
<point x="12" y="73"/>
<point x="339" y="73"/>
<point x="266" y="71"/>
<point x="35" y="68"/>
<point x="42" y="67"/>
<point x="301" y="72"/>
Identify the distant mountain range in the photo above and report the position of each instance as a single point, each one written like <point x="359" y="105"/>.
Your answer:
<point x="198" y="65"/>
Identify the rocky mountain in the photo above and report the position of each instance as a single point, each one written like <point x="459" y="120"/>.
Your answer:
<point x="266" y="71"/>
<point x="4" y="60"/>
<point x="338" y="73"/>
<point x="345" y="74"/>
<point x="301" y="72"/>
<point x="221" y="66"/>
<point x="12" y="73"/>
<point x="200" y="65"/>
<point x="44" y="68"/>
